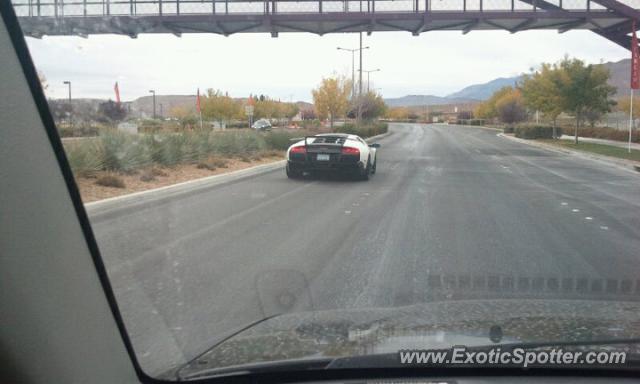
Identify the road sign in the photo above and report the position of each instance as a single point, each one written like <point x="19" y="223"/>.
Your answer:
<point x="248" y="110"/>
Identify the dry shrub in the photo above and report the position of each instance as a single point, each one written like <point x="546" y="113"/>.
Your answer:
<point x="110" y="180"/>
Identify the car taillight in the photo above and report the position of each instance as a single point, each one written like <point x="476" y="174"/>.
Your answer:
<point x="350" y="151"/>
<point x="298" y="150"/>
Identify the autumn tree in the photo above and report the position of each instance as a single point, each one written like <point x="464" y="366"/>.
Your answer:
<point x="541" y="91"/>
<point x="487" y="109"/>
<point x="510" y="107"/>
<point x="331" y="98"/>
<point x="584" y="90"/>
<point x="398" y="113"/>
<point x="624" y="104"/>
<point x="220" y="107"/>
<point x="186" y="114"/>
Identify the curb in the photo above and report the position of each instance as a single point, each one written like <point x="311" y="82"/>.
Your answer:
<point x="169" y="191"/>
<point x="620" y="163"/>
<point x="155" y="195"/>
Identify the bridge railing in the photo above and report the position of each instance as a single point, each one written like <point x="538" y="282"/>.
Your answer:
<point x="83" y="8"/>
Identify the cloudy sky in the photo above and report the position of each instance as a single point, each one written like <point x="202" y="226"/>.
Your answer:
<point x="288" y="67"/>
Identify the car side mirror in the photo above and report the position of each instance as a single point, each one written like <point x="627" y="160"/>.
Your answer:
<point x="374" y="145"/>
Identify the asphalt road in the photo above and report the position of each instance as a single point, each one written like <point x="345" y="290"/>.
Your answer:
<point x="453" y="212"/>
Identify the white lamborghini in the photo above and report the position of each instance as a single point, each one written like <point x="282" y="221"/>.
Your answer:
<point x="332" y="152"/>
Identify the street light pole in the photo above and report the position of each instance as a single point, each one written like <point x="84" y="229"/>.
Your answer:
<point x="360" y="80"/>
<point x="161" y="113"/>
<point x="353" y="67"/>
<point x="68" y="83"/>
<point x="153" y="92"/>
<point x="368" y="73"/>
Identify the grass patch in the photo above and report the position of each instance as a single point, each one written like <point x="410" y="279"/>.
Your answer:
<point x="600" y="149"/>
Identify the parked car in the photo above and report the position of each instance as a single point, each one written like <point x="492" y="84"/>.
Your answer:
<point x="262" y="125"/>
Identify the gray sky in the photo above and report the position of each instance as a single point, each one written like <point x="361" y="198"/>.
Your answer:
<point x="288" y="67"/>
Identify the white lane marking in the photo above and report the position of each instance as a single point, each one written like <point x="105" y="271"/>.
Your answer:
<point x="575" y="210"/>
<point x="564" y="203"/>
<point x="347" y="212"/>
<point x="355" y="204"/>
<point x="604" y="227"/>
<point x="588" y="218"/>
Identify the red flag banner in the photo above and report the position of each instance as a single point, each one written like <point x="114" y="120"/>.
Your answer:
<point x="635" y="60"/>
<point x="117" y="91"/>
<point x="198" y="101"/>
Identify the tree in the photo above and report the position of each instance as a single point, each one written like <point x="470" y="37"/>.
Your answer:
<point x="487" y="109"/>
<point x="220" y="107"/>
<point x="331" y="98"/>
<point x="372" y="106"/>
<point x="584" y="89"/>
<point x="541" y="92"/>
<point x="624" y="104"/>
<point x="186" y="114"/>
<point x="110" y="111"/>
<point x="398" y="113"/>
<point x="290" y="110"/>
<point x="510" y="107"/>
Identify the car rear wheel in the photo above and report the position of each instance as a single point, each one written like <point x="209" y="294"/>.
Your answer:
<point x="365" y="172"/>
<point x="292" y="174"/>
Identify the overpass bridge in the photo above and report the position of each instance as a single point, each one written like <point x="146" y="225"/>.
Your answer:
<point x="610" y="19"/>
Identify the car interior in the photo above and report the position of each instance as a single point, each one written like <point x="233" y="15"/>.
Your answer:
<point x="59" y="318"/>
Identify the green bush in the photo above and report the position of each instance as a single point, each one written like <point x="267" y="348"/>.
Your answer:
<point x="124" y="152"/>
<point x="609" y="133"/>
<point x="365" y="130"/>
<point x="536" y="131"/>
<point x="85" y="157"/>
<point x="279" y="140"/>
<point x="508" y="129"/>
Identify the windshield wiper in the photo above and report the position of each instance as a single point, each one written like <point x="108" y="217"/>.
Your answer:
<point x="190" y="363"/>
<point x="382" y="360"/>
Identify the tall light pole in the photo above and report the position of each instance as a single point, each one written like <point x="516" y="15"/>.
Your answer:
<point x="153" y="92"/>
<point x="360" y="80"/>
<point x="161" y="112"/>
<point x="353" y="67"/>
<point x="68" y="83"/>
<point x="368" y="73"/>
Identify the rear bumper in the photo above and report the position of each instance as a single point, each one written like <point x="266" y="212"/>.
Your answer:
<point x="328" y="166"/>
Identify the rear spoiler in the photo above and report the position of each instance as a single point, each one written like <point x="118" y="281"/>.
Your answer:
<point x="313" y="137"/>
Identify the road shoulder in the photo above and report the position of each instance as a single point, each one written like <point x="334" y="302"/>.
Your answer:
<point x="628" y="165"/>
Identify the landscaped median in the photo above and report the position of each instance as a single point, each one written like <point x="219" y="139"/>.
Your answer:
<point x="117" y="163"/>
<point x="544" y="136"/>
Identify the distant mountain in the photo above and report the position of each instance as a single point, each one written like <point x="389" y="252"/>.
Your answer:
<point x="470" y="94"/>
<point x="143" y="106"/>
<point x="620" y="73"/>
<point x="485" y="90"/>
<point x="620" y="76"/>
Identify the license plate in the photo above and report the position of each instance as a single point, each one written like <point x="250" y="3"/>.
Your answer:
<point x="322" y="157"/>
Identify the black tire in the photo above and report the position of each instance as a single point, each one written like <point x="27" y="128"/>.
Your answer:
<point x="364" y="174"/>
<point x="375" y="166"/>
<point x="292" y="174"/>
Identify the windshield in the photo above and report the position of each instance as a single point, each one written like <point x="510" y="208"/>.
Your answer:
<point x="492" y="200"/>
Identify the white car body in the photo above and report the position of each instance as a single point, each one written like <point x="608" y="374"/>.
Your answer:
<point x="337" y="149"/>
